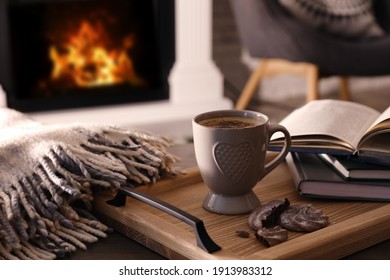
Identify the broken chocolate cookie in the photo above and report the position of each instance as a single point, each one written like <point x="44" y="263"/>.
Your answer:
<point x="267" y="215"/>
<point x="272" y="236"/>
<point x="304" y="218"/>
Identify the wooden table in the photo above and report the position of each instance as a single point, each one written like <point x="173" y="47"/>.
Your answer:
<point x="118" y="246"/>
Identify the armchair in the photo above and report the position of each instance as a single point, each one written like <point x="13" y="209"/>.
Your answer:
<point x="285" y="44"/>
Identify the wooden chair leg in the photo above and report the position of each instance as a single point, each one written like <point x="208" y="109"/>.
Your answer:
<point x="311" y="82"/>
<point x="251" y="86"/>
<point x="270" y="67"/>
<point x="344" y="88"/>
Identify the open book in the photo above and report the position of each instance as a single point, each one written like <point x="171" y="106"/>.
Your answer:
<point x="338" y="127"/>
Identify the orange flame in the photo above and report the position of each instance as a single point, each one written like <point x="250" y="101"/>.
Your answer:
<point x="85" y="60"/>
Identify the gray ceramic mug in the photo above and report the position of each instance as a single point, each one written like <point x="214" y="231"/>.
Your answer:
<point x="230" y="149"/>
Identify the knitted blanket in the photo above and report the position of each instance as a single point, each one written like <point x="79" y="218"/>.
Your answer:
<point x="49" y="174"/>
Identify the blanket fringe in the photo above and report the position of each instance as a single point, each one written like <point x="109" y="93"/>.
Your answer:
<point x="45" y="213"/>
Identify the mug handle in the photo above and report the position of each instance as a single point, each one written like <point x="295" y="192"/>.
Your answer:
<point x="283" y="153"/>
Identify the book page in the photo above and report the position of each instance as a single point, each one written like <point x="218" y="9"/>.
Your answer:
<point x="380" y="125"/>
<point x="385" y="116"/>
<point x="347" y="121"/>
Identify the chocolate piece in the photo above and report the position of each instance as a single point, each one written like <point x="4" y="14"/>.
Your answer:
<point x="242" y="233"/>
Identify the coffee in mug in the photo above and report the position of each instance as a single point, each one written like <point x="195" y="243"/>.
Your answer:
<point x="230" y="149"/>
<point x="228" y="122"/>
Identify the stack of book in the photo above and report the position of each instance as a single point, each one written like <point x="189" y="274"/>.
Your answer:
<point x="340" y="149"/>
<point x="322" y="175"/>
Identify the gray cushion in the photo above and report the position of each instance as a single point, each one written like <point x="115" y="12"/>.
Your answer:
<point x="345" y="18"/>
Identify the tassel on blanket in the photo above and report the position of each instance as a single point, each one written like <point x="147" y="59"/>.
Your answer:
<point x="48" y="175"/>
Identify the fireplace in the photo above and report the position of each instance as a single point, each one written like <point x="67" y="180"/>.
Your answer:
<point x="67" y="54"/>
<point x="195" y="84"/>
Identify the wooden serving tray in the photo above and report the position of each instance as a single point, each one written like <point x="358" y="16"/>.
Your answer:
<point x="354" y="225"/>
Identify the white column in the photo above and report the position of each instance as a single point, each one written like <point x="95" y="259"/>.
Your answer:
<point x="194" y="76"/>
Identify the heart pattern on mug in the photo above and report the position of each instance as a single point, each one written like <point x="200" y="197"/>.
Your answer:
<point x="233" y="160"/>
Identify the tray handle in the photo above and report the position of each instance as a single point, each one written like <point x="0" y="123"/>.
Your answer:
<point x="203" y="240"/>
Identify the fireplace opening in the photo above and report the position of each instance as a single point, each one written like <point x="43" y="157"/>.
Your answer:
<point x="68" y="54"/>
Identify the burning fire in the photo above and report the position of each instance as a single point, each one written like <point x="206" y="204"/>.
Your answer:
<point x="86" y="60"/>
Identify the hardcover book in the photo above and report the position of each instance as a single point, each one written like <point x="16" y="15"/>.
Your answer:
<point x="338" y="127"/>
<point x="354" y="169"/>
<point x="314" y="178"/>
